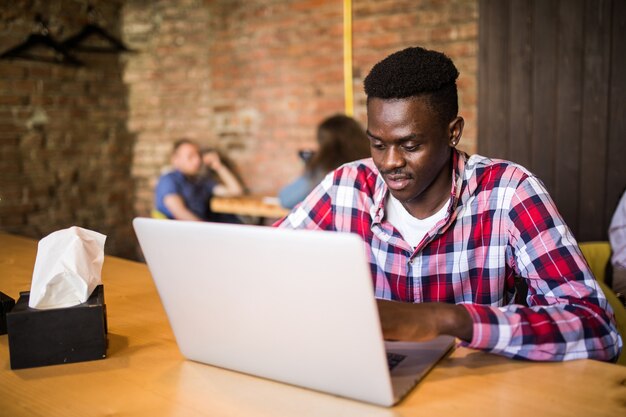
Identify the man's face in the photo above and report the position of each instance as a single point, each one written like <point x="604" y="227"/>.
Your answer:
<point x="187" y="159"/>
<point x="411" y="148"/>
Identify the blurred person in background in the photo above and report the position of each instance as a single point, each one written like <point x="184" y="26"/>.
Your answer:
<point x="185" y="194"/>
<point x="617" y="237"/>
<point x="341" y="139"/>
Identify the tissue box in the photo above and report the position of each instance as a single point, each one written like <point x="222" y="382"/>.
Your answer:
<point x="6" y="304"/>
<point x="60" y="335"/>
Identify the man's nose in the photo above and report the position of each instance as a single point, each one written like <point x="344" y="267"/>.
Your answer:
<point x="392" y="159"/>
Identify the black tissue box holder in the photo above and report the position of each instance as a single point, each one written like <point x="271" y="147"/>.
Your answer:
<point x="6" y="304"/>
<point x="59" y="335"/>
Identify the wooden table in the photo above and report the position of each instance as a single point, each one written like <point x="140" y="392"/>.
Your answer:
<point x="249" y="205"/>
<point x="145" y="375"/>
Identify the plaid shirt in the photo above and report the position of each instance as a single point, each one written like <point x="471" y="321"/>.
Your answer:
<point x="501" y="223"/>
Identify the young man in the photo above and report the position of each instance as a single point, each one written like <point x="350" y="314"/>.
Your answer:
<point x="184" y="194"/>
<point x="448" y="234"/>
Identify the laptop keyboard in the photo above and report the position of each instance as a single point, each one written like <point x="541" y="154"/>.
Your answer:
<point x="393" y="359"/>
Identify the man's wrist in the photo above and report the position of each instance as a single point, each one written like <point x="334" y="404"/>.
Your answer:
<point x="456" y="321"/>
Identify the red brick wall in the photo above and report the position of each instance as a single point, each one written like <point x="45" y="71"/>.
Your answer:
<point x="64" y="147"/>
<point x="276" y="72"/>
<point x="255" y="78"/>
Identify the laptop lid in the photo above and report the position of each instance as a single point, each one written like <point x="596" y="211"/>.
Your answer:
<point x="292" y="306"/>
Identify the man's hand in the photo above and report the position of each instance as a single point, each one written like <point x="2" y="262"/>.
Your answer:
<point x="423" y="321"/>
<point x="230" y="186"/>
<point x="212" y="160"/>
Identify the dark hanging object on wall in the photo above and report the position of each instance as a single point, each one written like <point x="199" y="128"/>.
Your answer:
<point x="57" y="53"/>
<point x="90" y="30"/>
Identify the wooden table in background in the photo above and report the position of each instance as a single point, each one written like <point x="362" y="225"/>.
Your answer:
<point x="145" y="375"/>
<point x="249" y="205"/>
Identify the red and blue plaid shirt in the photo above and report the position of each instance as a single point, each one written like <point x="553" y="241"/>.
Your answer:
<point x="501" y="224"/>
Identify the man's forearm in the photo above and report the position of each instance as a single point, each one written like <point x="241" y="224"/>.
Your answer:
<point x="176" y="206"/>
<point x="231" y="186"/>
<point x="423" y="321"/>
<point x="184" y="214"/>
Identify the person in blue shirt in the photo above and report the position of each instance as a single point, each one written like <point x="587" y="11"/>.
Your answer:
<point x="341" y="139"/>
<point x="185" y="194"/>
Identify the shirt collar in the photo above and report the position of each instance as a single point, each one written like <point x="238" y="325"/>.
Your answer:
<point x="459" y="159"/>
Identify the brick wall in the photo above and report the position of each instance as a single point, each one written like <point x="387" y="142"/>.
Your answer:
<point x="277" y="71"/>
<point x="64" y="147"/>
<point x="252" y="78"/>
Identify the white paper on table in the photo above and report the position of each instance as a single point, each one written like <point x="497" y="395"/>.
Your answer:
<point x="68" y="268"/>
<point x="272" y="201"/>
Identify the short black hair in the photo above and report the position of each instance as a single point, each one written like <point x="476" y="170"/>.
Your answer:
<point x="416" y="72"/>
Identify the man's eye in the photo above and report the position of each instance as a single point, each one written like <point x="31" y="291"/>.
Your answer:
<point x="410" y="148"/>
<point x="377" y="145"/>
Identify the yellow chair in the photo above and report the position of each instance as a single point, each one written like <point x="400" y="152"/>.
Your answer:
<point x="597" y="255"/>
<point x="156" y="214"/>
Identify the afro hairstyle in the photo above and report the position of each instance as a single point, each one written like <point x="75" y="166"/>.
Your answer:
<point x="416" y="72"/>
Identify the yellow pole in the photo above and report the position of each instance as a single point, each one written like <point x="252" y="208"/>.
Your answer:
<point x="347" y="57"/>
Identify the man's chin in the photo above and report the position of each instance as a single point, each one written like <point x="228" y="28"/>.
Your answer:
<point x="405" y="196"/>
<point x="400" y="195"/>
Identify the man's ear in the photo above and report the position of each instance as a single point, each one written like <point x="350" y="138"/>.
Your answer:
<point x="456" y="130"/>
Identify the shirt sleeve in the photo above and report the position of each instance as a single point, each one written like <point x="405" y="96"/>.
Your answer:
<point x="294" y="193"/>
<point x="568" y="316"/>
<point x="166" y="186"/>
<point x="316" y="211"/>
<point x="209" y="185"/>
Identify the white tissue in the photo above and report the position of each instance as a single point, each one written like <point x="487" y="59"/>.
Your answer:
<point x="67" y="268"/>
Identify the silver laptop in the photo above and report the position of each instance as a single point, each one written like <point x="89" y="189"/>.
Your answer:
<point x="291" y="306"/>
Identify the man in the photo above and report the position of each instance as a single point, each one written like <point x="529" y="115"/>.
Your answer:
<point x="184" y="194"/>
<point x="448" y="234"/>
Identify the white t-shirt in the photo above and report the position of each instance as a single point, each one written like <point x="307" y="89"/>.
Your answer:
<point x="411" y="228"/>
